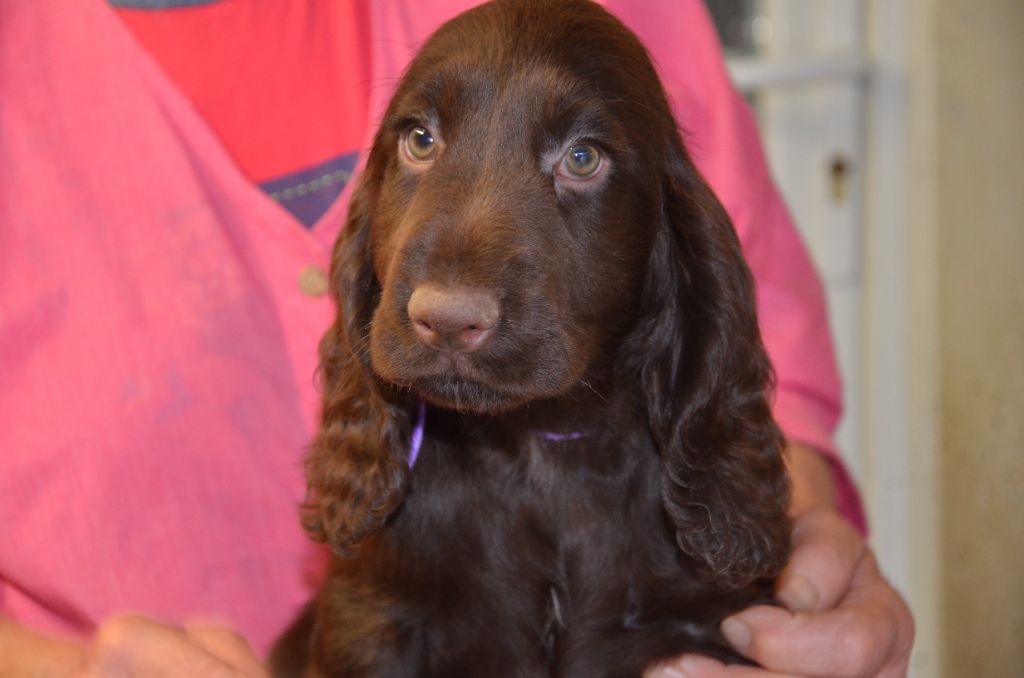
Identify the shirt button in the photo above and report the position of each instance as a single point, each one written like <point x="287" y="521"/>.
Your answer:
<point x="313" y="281"/>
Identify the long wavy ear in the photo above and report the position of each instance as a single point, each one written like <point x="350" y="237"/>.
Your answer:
<point x="357" y="468"/>
<point x="707" y="380"/>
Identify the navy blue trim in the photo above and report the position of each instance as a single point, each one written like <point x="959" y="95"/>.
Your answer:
<point x="310" y="192"/>
<point x="159" y="4"/>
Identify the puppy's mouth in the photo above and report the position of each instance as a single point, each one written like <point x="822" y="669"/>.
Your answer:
<point x="454" y="392"/>
<point x="477" y="384"/>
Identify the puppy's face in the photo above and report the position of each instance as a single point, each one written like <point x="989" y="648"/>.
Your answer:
<point x="515" y="208"/>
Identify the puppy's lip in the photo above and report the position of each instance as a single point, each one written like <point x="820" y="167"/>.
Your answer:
<point x="465" y="394"/>
<point x="426" y="364"/>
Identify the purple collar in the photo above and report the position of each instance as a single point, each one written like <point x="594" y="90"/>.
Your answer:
<point x="417" y="433"/>
<point x="558" y="437"/>
<point x="416" y="441"/>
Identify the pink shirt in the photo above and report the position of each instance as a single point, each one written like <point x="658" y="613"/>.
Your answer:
<point x="157" y="350"/>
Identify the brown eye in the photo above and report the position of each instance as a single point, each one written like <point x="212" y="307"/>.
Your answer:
<point x="582" y="160"/>
<point x="420" y="144"/>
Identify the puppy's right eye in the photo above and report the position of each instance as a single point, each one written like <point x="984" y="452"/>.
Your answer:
<point x="420" y="144"/>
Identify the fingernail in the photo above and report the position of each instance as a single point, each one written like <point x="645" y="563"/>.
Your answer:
<point x="799" y="595"/>
<point x="737" y="633"/>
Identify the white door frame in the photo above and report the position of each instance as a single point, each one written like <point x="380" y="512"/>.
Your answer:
<point x="901" y="317"/>
<point x="896" y="410"/>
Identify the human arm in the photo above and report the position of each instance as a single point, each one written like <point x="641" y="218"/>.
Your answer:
<point x="24" y="652"/>
<point x="840" y="616"/>
<point x="128" y="645"/>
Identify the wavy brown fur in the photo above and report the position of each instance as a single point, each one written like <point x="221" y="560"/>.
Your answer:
<point x="627" y="313"/>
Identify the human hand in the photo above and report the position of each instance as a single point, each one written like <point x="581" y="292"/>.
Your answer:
<point x="841" y="617"/>
<point x="131" y="645"/>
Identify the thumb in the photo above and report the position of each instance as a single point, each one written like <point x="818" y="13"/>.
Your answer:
<point x="826" y="553"/>
<point x="228" y="646"/>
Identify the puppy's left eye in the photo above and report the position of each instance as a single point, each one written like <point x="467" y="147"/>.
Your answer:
<point x="582" y="161"/>
<point x="420" y="144"/>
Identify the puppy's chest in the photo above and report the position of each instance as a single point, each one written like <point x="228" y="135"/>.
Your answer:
<point x="559" y="551"/>
<point x="544" y="514"/>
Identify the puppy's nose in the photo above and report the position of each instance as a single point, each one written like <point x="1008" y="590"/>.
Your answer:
<point x="453" y="319"/>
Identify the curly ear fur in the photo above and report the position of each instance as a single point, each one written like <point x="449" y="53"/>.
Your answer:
<point x="706" y="379"/>
<point x="357" y="469"/>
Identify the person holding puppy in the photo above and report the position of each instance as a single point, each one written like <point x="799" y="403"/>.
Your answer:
<point x="171" y="181"/>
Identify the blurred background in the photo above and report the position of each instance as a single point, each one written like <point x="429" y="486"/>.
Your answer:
<point x="895" y="129"/>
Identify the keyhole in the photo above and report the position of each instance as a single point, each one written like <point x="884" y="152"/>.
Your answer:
<point x="839" y="169"/>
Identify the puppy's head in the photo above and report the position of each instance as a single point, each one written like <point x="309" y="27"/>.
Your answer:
<point x="509" y="206"/>
<point x="529" y="218"/>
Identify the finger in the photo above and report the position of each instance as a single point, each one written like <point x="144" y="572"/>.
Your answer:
<point x="697" y="666"/>
<point x="826" y="553"/>
<point x="227" y="646"/>
<point x="858" y="638"/>
<point x="131" y="645"/>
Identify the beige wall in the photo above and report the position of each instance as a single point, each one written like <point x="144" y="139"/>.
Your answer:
<point x="979" y="94"/>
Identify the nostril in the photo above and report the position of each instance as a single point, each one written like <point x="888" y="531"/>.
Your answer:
<point x="470" y="339"/>
<point x="425" y="332"/>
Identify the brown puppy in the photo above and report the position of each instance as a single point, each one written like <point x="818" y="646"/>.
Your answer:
<point x="538" y="294"/>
